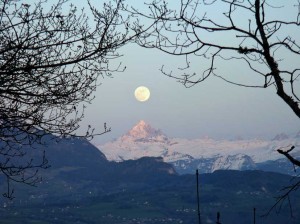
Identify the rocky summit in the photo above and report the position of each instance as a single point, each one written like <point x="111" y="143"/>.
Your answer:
<point x="143" y="132"/>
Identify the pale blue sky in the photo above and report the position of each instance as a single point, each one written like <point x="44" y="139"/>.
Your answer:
<point x="213" y="108"/>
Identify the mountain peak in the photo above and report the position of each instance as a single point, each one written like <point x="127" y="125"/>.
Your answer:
<point x="143" y="131"/>
<point x="142" y="125"/>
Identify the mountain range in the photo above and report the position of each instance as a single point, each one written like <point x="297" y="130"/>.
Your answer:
<point x="82" y="186"/>
<point x="205" y="154"/>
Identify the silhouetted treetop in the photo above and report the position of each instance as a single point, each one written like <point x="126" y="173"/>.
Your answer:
<point x="258" y="37"/>
<point x="52" y="56"/>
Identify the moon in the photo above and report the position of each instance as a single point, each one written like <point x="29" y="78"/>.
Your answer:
<point x="142" y="93"/>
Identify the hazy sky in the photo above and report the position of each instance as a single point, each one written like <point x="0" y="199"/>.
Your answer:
<point x="212" y="108"/>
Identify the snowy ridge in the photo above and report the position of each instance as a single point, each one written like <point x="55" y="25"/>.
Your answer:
<point x="205" y="153"/>
<point x="234" y="162"/>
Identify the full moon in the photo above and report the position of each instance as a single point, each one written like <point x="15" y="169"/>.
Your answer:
<point x="142" y="93"/>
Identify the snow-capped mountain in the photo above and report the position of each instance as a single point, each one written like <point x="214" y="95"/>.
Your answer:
<point x="205" y="154"/>
<point x="143" y="132"/>
<point x="235" y="162"/>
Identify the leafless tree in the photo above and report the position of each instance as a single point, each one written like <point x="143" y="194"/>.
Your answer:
<point x="288" y="190"/>
<point x="51" y="59"/>
<point x="261" y="35"/>
<point x="248" y="32"/>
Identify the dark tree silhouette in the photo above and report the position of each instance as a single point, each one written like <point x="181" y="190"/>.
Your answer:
<point x="260" y="35"/>
<point x="288" y="190"/>
<point x="51" y="58"/>
<point x="243" y="32"/>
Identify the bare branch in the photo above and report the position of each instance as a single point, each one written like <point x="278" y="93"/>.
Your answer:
<point x="200" y="29"/>
<point x="51" y="62"/>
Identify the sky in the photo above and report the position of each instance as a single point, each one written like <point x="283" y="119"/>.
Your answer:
<point x="213" y="108"/>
